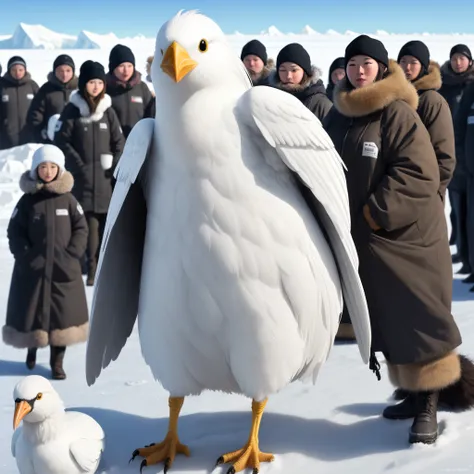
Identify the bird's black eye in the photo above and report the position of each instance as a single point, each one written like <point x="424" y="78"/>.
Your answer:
<point x="203" y="46"/>
<point x="39" y="396"/>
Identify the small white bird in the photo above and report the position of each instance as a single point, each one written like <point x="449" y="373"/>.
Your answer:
<point x="51" y="440"/>
<point x="228" y="234"/>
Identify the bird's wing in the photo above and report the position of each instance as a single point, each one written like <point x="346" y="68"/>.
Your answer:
<point x="87" y="448"/>
<point x="117" y="285"/>
<point x="297" y="138"/>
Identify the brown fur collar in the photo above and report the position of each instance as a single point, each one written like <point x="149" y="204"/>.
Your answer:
<point x="376" y="96"/>
<point x="431" y="81"/>
<point x="61" y="185"/>
<point x="113" y="82"/>
<point x="72" y="84"/>
<point x="450" y="78"/>
<point x="11" y="80"/>
<point x="316" y="73"/>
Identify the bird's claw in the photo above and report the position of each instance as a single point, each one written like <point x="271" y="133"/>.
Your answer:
<point x="231" y="470"/>
<point x="142" y="465"/>
<point x="167" y="465"/>
<point x="220" y="461"/>
<point x="134" y="455"/>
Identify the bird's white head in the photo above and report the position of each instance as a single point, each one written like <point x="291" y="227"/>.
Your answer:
<point x="35" y="400"/>
<point x="192" y="53"/>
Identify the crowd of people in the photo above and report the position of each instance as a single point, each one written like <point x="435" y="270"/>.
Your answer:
<point x="400" y="126"/>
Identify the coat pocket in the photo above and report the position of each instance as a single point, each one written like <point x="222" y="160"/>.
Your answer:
<point x="66" y="267"/>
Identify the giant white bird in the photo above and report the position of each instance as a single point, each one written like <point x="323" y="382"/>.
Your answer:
<point x="51" y="440"/>
<point x="228" y="235"/>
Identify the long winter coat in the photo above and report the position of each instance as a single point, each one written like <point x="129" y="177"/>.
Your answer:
<point x="393" y="181"/>
<point x="311" y="92"/>
<point x="464" y="132"/>
<point x="84" y="138"/>
<point x="47" y="235"/>
<point x="131" y="101"/>
<point x="454" y="84"/>
<point x="16" y="96"/>
<point x="436" y="117"/>
<point x="50" y="100"/>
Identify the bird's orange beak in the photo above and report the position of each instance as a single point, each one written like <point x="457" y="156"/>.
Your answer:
<point x="21" y="410"/>
<point x="177" y="62"/>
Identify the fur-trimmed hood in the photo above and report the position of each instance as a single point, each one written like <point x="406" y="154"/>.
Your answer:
<point x="79" y="101"/>
<point x="72" y="84"/>
<point x="61" y="185"/>
<point x="374" y="97"/>
<point x="450" y="78"/>
<point x="8" y="78"/>
<point x="310" y="86"/>
<point x="113" y="82"/>
<point x="430" y="81"/>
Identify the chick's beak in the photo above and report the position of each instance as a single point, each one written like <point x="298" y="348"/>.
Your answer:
<point x="21" y="410"/>
<point x="176" y="62"/>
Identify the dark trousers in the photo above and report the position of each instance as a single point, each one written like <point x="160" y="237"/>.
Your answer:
<point x="464" y="239"/>
<point x="96" y="223"/>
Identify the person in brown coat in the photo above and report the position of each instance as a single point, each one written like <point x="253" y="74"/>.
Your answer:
<point x="47" y="235"/>
<point x="295" y="74"/>
<point x="400" y="233"/>
<point x="425" y="75"/>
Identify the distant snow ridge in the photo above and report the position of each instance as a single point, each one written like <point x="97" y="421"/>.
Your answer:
<point x="272" y="31"/>
<point x="307" y="30"/>
<point x="37" y="37"/>
<point x="88" y="40"/>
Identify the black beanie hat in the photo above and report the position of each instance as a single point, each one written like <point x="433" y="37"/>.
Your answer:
<point x="295" y="53"/>
<point x="461" y="49"/>
<point x="16" y="60"/>
<point x="120" y="54"/>
<point x="417" y="49"/>
<point x="90" y="70"/>
<point x="256" y="48"/>
<point x="365" y="45"/>
<point x="64" y="60"/>
<point x="338" y="63"/>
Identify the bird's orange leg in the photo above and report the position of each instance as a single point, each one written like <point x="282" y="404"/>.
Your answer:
<point x="170" y="446"/>
<point x="250" y="456"/>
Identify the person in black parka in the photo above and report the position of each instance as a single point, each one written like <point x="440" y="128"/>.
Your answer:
<point x="47" y="235"/>
<point x="457" y="74"/>
<point x="131" y="98"/>
<point x="51" y="98"/>
<point x="17" y="90"/>
<point x="295" y="75"/>
<point x="337" y="72"/>
<point x="92" y="140"/>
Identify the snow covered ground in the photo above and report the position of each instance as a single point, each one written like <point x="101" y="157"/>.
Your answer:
<point x="334" y="427"/>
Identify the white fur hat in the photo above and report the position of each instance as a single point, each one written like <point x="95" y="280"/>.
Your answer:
<point x="47" y="153"/>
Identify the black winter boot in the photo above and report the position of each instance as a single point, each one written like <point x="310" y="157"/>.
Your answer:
<point x="469" y="279"/>
<point x="400" y="394"/>
<point x="404" y="410"/>
<point x="425" y="425"/>
<point x="31" y="358"/>
<point x="91" y="273"/>
<point x="56" y="362"/>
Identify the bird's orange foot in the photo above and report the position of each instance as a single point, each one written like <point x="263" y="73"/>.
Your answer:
<point x="249" y="457"/>
<point x="165" y="452"/>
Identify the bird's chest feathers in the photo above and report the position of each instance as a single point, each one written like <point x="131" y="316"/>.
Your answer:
<point x="44" y="432"/>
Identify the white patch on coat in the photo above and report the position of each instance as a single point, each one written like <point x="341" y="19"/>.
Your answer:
<point x="103" y="126"/>
<point x="470" y="120"/>
<point x="62" y="212"/>
<point x="137" y="99"/>
<point x="14" y="213"/>
<point x="5" y="98"/>
<point x="370" y="149"/>
<point x="30" y="96"/>
<point x="79" y="209"/>
<point x="77" y="100"/>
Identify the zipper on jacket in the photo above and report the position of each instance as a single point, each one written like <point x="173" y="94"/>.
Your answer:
<point x="346" y="135"/>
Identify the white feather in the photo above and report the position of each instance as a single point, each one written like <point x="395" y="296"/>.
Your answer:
<point x="239" y="290"/>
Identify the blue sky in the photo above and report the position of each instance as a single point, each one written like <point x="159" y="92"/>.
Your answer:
<point x="132" y="17"/>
